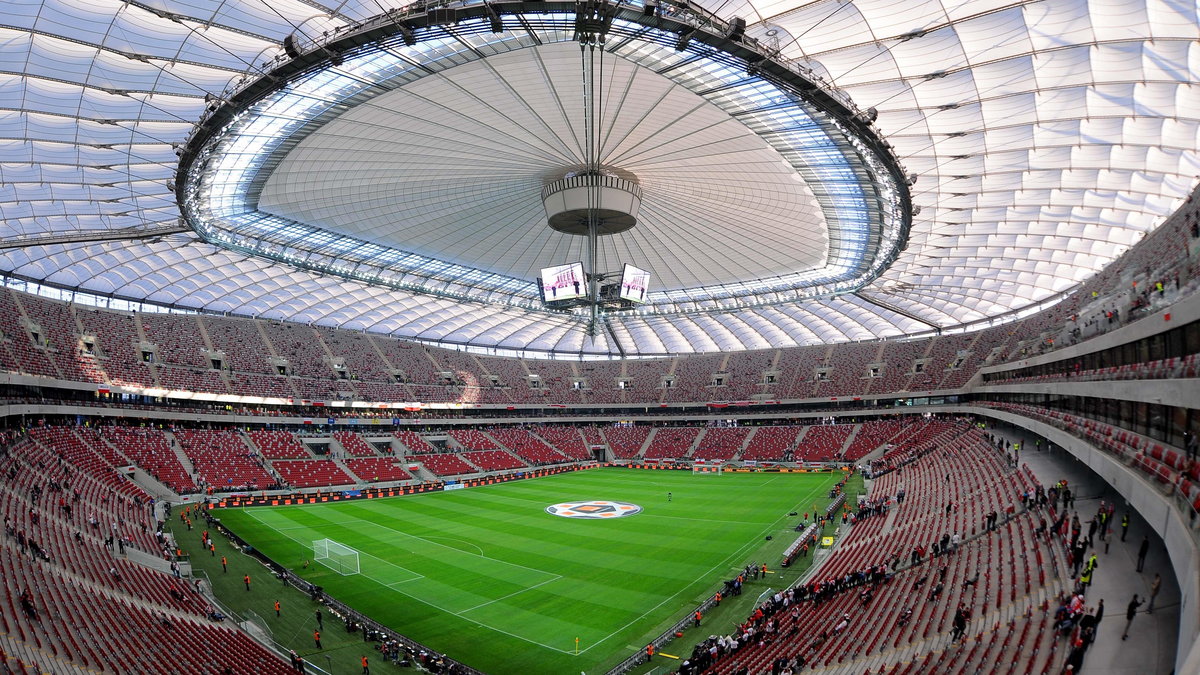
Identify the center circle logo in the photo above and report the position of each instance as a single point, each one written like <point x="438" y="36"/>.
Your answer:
<point x="597" y="509"/>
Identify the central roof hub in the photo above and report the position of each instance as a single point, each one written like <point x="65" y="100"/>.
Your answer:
<point x="603" y="198"/>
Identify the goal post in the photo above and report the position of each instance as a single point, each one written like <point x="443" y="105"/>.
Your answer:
<point x="337" y="557"/>
<point x="710" y="469"/>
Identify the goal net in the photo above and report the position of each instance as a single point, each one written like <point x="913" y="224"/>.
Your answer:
<point x="707" y="469"/>
<point x="337" y="557"/>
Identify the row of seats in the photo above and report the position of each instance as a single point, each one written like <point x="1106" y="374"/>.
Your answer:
<point x="671" y="442"/>
<point x="274" y="444"/>
<point x="531" y="448"/>
<point x="45" y="337"/>
<point x="493" y="460"/>
<point x="871" y="435"/>
<point x="823" y="442"/>
<point x="377" y="469"/>
<point x="310" y="473"/>
<point x="445" y="464"/>
<point x="1158" y="369"/>
<point x="383" y="369"/>
<point x="149" y="449"/>
<point x="59" y="603"/>
<point x="1160" y="462"/>
<point x="354" y="444"/>
<point x="222" y="460"/>
<point x="993" y="575"/>
<point x="772" y="444"/>
<point x="720" y="443"/>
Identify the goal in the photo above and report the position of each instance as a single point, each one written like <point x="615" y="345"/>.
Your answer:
<point x="337" y="557"/>
<point x="707" y="469"/>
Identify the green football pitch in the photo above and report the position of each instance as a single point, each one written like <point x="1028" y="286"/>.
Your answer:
<point x="487" y="576"/>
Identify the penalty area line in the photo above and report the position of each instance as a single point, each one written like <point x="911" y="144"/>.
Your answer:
<point x="416" y="576"/>
<point x="505" y="597"/>
<point x="440" y="608"/>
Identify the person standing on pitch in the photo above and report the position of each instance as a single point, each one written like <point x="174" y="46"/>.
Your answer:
<point x="668" y="496"/>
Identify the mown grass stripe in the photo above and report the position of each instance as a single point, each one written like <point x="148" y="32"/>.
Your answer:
<point x="508" y="587"/>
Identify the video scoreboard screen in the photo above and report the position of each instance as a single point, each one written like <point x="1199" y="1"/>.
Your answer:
<point x="634" y="284"/>
<point x="563" y="282"/>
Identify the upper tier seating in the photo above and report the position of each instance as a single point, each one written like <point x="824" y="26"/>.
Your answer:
<point x="849" y="364"/>
<point x="302" y="347"/>
<point x="693" y="378"/>
<point x="1126" y="290"/>
<point x="270" y="386"/>
<point x="20" y="353"/>
<point x="116" y="345"/>
<point x="744" y="374"/>
<point x="1157" y="461"/>
<point x="556" y="382"/>
<point x="798" y="372"/>
<point x="191" y="379"/>
<point x="361" y="357"/>
<point x="241" y="343"/>
<point x="60" y="335"/>
<point x="898" y="358"/>
<point x="177" y="338"/>
<point x="602" y="376"/>
<point x="412" y="360"/>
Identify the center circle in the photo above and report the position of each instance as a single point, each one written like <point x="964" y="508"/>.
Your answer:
<point x="593" y="510"/>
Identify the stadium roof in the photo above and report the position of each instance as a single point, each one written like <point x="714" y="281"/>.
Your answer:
<point x="1045" y="138"/>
